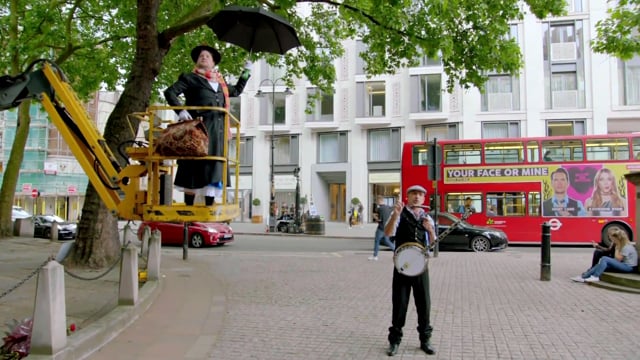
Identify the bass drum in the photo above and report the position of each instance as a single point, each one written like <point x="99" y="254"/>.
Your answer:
<point x="410" y="259"/>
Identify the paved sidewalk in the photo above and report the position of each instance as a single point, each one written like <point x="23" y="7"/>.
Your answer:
<point x="251" y="305"/>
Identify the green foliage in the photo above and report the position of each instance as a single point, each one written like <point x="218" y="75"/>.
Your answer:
<point x="619" y="34"/>
<point x="255" y="202"/>
<point x="355" y="201"/>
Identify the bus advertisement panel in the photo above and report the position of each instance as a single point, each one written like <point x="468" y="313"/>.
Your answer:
<point x="580" y="199"/>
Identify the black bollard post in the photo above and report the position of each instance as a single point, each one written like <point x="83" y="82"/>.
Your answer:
<point x="185" y="242"/>
<point x="545" y="264"/>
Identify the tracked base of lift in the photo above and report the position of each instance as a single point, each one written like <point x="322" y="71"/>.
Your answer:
<point x="183" y="213"/>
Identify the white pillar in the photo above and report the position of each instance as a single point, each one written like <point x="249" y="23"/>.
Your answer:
<point x="153" y="261"/>
<point x="49" y="333"/>
<point x="128" y="292"/>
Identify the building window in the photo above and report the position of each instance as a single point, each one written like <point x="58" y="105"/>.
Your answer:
<point x="332" y="147"/>
<point x="502" y="129"/>
<point x="426" y="93"/>
<point x="235" y="108"/>
<point x="565" y="127"/>
<point x="384" y="145"/>
<point x="266" y="108"/>
<point x="629" y="81"/>
<point x="426" y="61"/>
<point x="501" y="93"/>
<point x="285" y="150"/>
<point x="563" y="55"/>
<point x="370" y="99"/>
<point x="440" y="132"/>
<point x="575" y="6"/>
<point x="246" y="151"/>
<point x="564" y="89"/>
<point x="321" y="107"/>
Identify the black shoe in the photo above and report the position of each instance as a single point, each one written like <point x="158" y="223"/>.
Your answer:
<point x="393" y="349"/>
<point x="426" y="347"/>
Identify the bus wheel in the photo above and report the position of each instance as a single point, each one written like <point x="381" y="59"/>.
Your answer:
<point x="605" y="231"/>
<point x="480" y="244"/>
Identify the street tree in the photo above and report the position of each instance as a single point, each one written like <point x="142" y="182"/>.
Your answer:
<point x="619" y="33"/>
<point x="155" y="38"/>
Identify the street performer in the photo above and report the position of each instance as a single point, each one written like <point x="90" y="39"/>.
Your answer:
<point x="411" y="223"/>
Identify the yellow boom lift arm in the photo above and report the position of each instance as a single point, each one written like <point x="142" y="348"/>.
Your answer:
<point x="131" y="192"/>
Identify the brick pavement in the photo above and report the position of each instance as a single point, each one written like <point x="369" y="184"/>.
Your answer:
<point x="337" y="306"/>
<point x="280" y="305"/>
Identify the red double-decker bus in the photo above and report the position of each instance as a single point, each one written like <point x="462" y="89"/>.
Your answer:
<point x="575" y="183"/>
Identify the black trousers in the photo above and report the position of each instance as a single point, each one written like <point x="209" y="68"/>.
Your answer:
<point x="401" y="292"/>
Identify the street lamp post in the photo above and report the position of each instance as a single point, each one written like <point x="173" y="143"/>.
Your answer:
<point x="272" y="199"/>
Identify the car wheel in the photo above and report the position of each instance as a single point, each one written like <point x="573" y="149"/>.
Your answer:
<point x="46" y="234"/>
<point x="197" y="240"/>
<point x="605" y="231"/>
<point x="480" y="244"/>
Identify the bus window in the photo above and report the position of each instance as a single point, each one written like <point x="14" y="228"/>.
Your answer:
<point x="563" y="150"/>
<point x="636" y="148"/>
<point x="534" y="204"/>
<point x="462" y="153"/>
<point x="461" y="202"/>
<point x="608" y="149"/>
<point x="503" y="152"/>
<point x="419" y="155"/>
<point x="533" y="151"/>
<point x="507" y="204"/>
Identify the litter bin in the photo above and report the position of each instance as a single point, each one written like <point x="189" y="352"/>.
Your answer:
<point x="314" y="225"/>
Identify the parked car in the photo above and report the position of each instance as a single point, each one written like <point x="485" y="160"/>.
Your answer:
<point x="199" y="234"/>
<point x="469" y="237"/>
<point x="42" y="227"/>
<point x="18" y="213"/>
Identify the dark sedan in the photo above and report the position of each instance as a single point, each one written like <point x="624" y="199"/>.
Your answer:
<point x="469" y="237"/>
<point x="199" y="234"/>
<point x="42" y="227"/>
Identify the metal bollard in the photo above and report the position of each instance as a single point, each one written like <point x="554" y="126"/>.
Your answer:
<point x="545" y="264"/>
<point x="185" y="242"/>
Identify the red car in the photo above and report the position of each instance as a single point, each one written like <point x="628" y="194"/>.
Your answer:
<point x="200" y="234"/>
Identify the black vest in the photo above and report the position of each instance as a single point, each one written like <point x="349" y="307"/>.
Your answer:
<point x="409" y="229"/>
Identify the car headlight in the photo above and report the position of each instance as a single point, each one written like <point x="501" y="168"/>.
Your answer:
<point x="212" y="230"/>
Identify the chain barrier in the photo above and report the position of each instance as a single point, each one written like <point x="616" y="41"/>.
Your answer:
<point x="111" y="267"/>
<point x="76" y="276"/>
<point x="21" y="282"/>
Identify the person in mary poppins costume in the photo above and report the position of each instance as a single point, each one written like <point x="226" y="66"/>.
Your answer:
<point x="204" y="86"/>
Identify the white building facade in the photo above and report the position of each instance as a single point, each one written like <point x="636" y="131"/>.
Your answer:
<point x="350" y="145"/>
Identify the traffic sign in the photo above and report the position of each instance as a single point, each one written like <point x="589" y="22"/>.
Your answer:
<point x="26" y="188"/>
<point x="34" y="193"/>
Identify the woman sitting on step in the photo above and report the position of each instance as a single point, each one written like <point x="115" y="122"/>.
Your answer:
<point x="625" y="259"/>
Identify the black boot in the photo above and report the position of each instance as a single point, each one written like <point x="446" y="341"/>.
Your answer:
<point x="427" y="347"/>
<point x="209" y="200"/>
<point x="189" y="199"/>
<point x="393" y="349"/>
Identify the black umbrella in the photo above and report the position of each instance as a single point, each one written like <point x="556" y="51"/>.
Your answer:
<point x="254" y="29"/>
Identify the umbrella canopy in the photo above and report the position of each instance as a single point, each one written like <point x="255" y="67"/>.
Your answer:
<point x="254" y="29"/>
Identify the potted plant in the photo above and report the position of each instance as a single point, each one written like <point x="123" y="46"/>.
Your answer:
<point x="256" y="216"/>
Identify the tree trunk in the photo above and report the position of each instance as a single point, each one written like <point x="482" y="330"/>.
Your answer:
<point x="12" y="171"/>
<point x="98" y="229"/>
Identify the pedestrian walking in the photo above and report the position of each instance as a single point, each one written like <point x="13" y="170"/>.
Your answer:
<point x="381" y="215"/>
